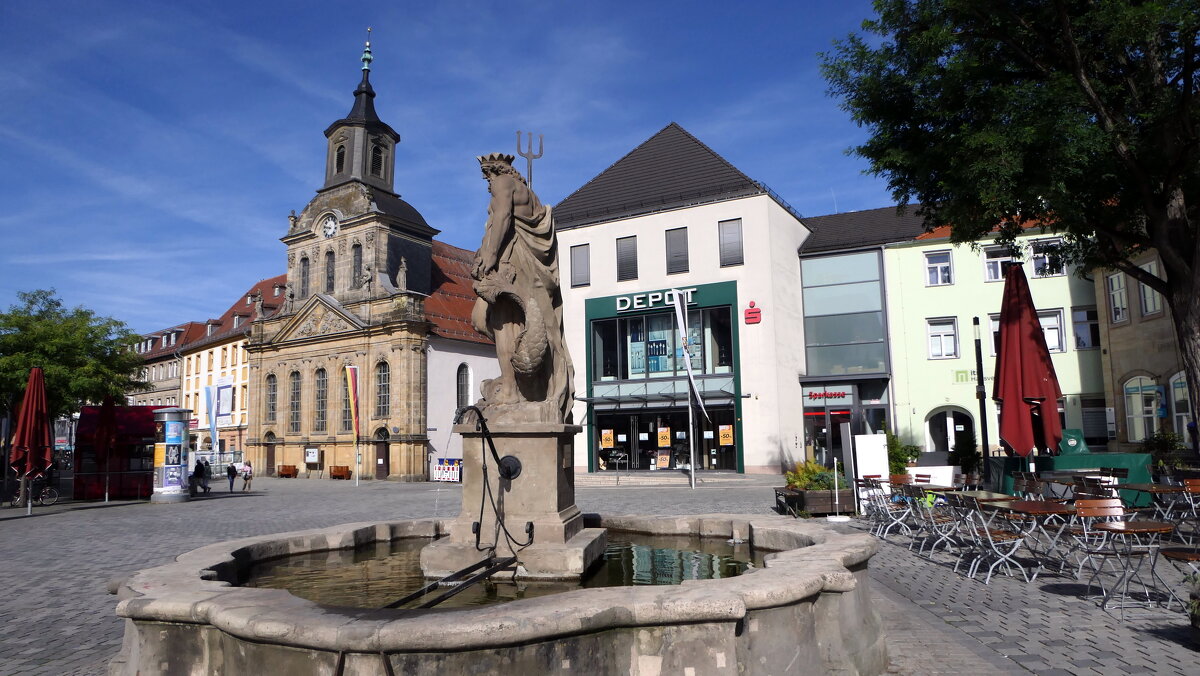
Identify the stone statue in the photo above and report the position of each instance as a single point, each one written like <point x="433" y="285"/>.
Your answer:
<point x="292" y="218"/>
<point x="402" y="275"/>
<point x="519" y="304"/>
<point x="289" y="298"/>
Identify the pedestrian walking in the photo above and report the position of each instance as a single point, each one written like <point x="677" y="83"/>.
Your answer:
<point x="206" y="476"/>
<point x="198" y="477"/>
<point x="247" y="476"/>
<point x="231" y="472"/>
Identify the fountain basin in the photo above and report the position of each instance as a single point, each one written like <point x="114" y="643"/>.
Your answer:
<point x="807" y="611"/>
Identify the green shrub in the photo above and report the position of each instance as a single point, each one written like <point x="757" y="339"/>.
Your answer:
<point x="899" y="453"/>
<point x="1164" y="448"/>
<point x="965" y="454"/>
<point x="813" y="476"/>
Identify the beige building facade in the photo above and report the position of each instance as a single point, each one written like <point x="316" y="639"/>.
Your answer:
<point x="1144" y="380"/>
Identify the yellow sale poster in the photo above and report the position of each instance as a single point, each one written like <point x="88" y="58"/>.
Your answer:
<point x="606" y="438"/>
<point x="726" y="434"/>
<point x="664" y="437"/>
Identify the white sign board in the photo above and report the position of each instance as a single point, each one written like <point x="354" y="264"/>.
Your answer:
<point x="312" y="456"/>
<point x="870" y="457"/>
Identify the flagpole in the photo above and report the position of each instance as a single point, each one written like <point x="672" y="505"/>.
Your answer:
<point x="691" y="438"/>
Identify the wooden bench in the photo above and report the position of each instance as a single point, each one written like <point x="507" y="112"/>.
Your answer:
<point x="287" y="472"/>
<point x="788" y="501"/>
<point x="340" y="472"/>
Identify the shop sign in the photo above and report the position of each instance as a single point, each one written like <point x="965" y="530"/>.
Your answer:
<point x="447" y="469"/>
<point x="822" y="396"/>
<point x="194" y="423"/>
<point x="726" y="432"/>
<point x="653" y="300"/>
<point x="606" y="438"/>
<point x="753" y="315"/>
<point x="664" y="437"/>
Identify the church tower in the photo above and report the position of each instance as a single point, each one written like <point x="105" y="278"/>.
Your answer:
<point x="361" y="146"/>
<point x="359" y="262"/>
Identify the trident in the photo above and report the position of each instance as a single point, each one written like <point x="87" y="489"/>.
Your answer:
<point x="528" y="155"/>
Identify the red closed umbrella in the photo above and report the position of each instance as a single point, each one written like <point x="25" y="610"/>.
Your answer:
<point x="1025" y="381"/>
<point x="31" y="450"/>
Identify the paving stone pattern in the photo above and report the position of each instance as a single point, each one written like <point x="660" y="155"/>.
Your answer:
<point x="57" y="618"/>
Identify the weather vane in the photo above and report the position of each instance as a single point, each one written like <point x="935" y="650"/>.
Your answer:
<point x="529" y="156"/>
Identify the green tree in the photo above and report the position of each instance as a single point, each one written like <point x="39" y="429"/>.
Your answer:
<point x="83" y="356"/>
<point x="1080" y="115"/>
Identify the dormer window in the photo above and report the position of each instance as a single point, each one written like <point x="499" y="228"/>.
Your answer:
<point x="237" y="321"/>
<point x="339" y="159"/>
<point x="377" y="161"/>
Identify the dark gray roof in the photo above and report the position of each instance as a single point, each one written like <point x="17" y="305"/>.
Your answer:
<point x="856" y="229"/>
<point x="669" y="170"/>
<point x="362" y="113"/>
<point x="395" y="207"/>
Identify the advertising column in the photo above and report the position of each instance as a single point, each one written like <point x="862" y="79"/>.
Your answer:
<point x="170" y="454"/>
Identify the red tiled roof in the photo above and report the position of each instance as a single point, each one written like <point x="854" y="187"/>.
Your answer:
<point x="448" y="307"/>
<point x="943" y="231"/>
<point x="188" y="332"/>
<point x="224" y="324"/>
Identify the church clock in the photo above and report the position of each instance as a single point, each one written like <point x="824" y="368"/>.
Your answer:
<point x="329" y="226"/>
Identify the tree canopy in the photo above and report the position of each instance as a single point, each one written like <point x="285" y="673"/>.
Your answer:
<point x="1079" y="115"/>
<point x="83" y="356"/>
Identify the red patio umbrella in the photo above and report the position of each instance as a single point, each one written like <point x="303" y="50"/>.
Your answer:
<point x="1025" y="381"/>
<point x="31" y="450"/>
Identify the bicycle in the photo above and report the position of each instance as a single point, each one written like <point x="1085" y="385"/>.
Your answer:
<point x="43" y="494"/>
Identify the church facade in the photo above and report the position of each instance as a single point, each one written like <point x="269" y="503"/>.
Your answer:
<point x="369" y="288"/>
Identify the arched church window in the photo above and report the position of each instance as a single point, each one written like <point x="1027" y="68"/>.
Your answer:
<point x="464" y="385"/>
<point x="339" y="161"/>
<point x="383" y="390"/>
<point x="304" y="277"/>
<point x="329" y="272"/>
<point x="356" y="267"/>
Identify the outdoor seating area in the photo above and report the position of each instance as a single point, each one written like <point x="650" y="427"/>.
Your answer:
<point x="1104" y="546"/>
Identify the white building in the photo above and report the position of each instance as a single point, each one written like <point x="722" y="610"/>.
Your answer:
<point x="673" y="214"/>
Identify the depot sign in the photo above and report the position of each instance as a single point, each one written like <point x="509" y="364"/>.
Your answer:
<point x="653" y="300"/>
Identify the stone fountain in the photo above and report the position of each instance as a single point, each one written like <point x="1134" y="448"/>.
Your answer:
<point x="808" y="611"/>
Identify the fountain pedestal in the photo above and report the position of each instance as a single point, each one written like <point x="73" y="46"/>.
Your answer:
<point x="543" y="494"/>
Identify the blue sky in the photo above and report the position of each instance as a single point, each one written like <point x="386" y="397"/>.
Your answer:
<point x="152" y="151"/>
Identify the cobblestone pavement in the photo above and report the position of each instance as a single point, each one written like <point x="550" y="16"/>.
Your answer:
<point x="58" y="619"/>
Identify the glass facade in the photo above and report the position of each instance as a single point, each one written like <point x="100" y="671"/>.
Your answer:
<point x="844" y="329"/>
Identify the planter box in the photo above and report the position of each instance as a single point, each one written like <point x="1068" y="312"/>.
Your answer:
<point x="821" y="502"/>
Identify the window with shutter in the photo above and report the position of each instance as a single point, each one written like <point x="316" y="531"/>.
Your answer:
<point x="581" y="271"/>
<point x="627" y="259"/>
<point x="677" y="251"/>
<point x="730" y="235"/>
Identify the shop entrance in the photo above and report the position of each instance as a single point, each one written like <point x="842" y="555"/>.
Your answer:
<point x="658" y="439"/>
<point x="826" y="408"/>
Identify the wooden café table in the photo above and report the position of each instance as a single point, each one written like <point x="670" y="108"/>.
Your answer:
<point x="1136" y="540"/>
<point x="987" y="496"/>
<point x="1042" y="541"/>
<point x="1162" y="508"/>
